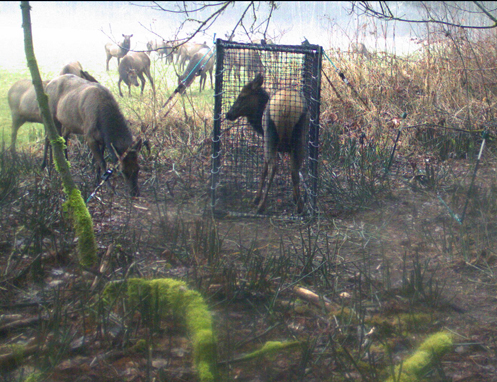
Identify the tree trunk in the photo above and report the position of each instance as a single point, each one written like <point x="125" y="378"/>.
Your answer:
<point x="81" y="218"/>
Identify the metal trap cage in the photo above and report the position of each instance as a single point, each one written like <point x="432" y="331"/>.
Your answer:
<point x="238" y="151"/>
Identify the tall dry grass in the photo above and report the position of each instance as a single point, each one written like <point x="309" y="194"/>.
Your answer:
<point x="449" y="83"/>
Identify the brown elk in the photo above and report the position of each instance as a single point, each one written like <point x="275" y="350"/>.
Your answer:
<point x="132" y="66"/>
<point x="76" y="68"/>
<point x="282" y="121"/>
<point x="186" y="51"/>
<point x="24" y="108"/>
<point x="163" y="48"/>
<point x="359" y="49"/>
<point x="201" y="63"/>
<point x="90" y="109"/>
<point x="250" y="59"/>
<point x="118" y="50"/>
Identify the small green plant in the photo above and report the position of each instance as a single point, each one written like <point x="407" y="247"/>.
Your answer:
<point x="420" y="284"/>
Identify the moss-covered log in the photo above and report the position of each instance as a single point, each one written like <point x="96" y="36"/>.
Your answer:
<point x="83" y="224"/>
<point x="415" y="367"/>
<point x="158" y="297"/>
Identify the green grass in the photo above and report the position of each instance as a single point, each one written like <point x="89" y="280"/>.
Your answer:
<point x="29" y="133"/>
<point x="137" y="107"/>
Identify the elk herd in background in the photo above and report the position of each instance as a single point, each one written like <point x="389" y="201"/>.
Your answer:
<point x="81" y="105"/>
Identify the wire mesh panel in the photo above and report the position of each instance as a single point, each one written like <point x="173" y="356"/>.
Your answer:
<point x="290" y="81"/>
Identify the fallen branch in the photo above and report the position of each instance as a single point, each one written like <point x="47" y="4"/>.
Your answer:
<point x="13" y="359"/>
<point x="19" y="324"/>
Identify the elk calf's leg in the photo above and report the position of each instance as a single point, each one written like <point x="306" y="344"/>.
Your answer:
<point x="272" y="165"/>
<point x="261" y="183"/>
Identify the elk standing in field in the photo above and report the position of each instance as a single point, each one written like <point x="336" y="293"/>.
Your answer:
<point x="76" y="68"/>
<point x="163" y="48"/>
<point x="201" y="63"/>
<point x="186" y="51"/>
<point x="250" y="59"/>
<point x="359" y="49"/>
<point x="132" y="66"/>
<point x="24" y="105"/>
<point x="90" y="109"/>
<point x="118" y="50"/>
<point x="282" y="121"/>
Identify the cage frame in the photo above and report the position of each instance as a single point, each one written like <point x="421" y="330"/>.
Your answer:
<point x="312" y="62"/>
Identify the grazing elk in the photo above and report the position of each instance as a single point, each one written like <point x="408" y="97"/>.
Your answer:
<point x="132" y="66"/>
<point x="250" y="59"/>
<point x="24" y="107"/>
<point x="75" y="68"/>
<point x="359" y="49"/>
<point x="201" y="63"/>
<point x="163" y="48"/>
<point x="90" y="109"/>
<point x="118" y="50"/>
<point x="186" y="51"/>
<point x="282" y="121"/>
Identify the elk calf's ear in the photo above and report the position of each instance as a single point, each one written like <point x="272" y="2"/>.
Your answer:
<point x="258" y="81"/>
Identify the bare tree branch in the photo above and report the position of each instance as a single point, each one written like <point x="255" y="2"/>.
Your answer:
<point x="383" y="11"/>
<point x="486" y="12"/>
<point x="214" y="10"/>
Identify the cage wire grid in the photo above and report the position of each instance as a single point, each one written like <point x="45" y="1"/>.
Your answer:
<point x="238" y="151"/>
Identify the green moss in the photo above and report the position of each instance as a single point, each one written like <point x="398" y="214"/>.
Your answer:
<point x="345" y="314"/>
<point x="61" y="145"/>
<point x="158" y="297"/>
<point x="35" y="377"/>
<point x="412" y="320"/>
<point x="83" y="224"/>
<point x="270" y="348"/>
<point x="111" y="291"/>
<point x="438" y="343"/>
<point x="433" y="348"/>
<point x="139" y="347"/>
<point x="384" y="326"/>
<point x="139" y="294"/>
<point x="388" y="326"/>
<point x="17" y="351"/>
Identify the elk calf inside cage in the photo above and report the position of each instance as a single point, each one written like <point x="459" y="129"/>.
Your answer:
<point x="282" y="121"/>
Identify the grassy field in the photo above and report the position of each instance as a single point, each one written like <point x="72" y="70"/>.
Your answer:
<point x="134" y="107"/>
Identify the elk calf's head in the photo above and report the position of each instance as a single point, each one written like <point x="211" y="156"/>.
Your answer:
<point x="250" y="103"/>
